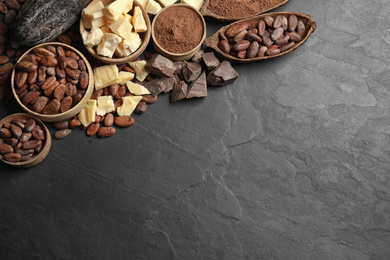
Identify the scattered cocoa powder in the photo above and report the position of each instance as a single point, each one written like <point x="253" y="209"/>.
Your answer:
<point x="239" y="8"/>
<point x="178" y="29"/>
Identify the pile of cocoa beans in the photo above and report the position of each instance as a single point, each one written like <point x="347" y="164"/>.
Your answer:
<point x="266" y="37"/>
<point x="21" y="140"/>
<point x="104" y="125"/>
<point x="51" y="80"/>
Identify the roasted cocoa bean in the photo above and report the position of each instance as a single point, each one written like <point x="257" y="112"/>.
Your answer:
<point x="253" y="37"/>
<point x="30" y="125"/>
<point x="27" y="157"/>
<point x="60" y="134"/>
<point x="287" y="46"/>
<point x="253" y="50"/>
<point x="294" y="36"/>
<point x="72" y="54"/>
<point x="23" y="152"/>
<point x="74" y="123"/>
<point x="49" y="61"/>
<point x="25" y="137"/>
<point x="108" y="120"/>
<point x="149" y="99"/>
<point x="241" y="45"/>
<point x="5" y="133"/>
<point x="59" y="92"/>
<point x="262" y="51"/>
<point x="277" y="22"/>
<point x="292" y="22"/>
<point x="83" y="79"/>
<point x="12" y="157"/>
<point x="277" y="33"/>
<point x="106" y="131"/>
<point x="141" y="107"/>
<point x="268" y="21"/>
<point x="6" y="148"/>
<point x="31" y="144"/>
<point x="234" y="29"/>
<point x="92" y="129"/>
<point x="42" y="74"/>
<point x="30" y="97"/>
<point x="52" y="108"/>
<point x="272" y="52"/>
<point x="49" y="82"/>
<point x="222" y="36"/>
<point x="32" y="77"/>
<point x="124" y="121"/>
<point x="301" y="28"/>
<point x="82" y="65"/>
<point x="71" y="89"/>
<point x="38" y="134"/>
<point x="284" y="23"/>
<point x="76" y="99"/>
<point x="240" y="36"/>
<point x="20" y="78"/>
<point x="51" y="71"/>
<point x="61" y="125"/>
<point x="224" y="46"/>
<point x="66" y="103"/>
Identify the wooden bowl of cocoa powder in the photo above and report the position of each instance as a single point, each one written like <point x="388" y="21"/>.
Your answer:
<point x="62" y="95"/>
<point x="22" y="156"/>
<point x="178" y="32"/>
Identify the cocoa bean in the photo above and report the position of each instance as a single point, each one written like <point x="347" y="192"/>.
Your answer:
<point x="3" y="8"/>
<point x="92" y="129"/>
<point x="38" y="148"/>
<point x="222" y="36"/>
<point x="25" y="137"/>
<point x="31" y="144"/>
<point x="253" y="50"/>
<point x="234" y="29"/>
<point x="61" y="125"/>
<point x="60" y="73"/>
<point x="6" y="148"/>
<point x="292" y="22"/>
<point x="261" y="28"/>
<point x="30" y="124"/>
<point x="64" y="39"/>
<point x="149" y="99"/>
<point x="287" y="46"/>
<point x="224" y="46"/>
<point x="27" y="157"/>
<point x="6" y="69"/>
<point x="21" y="78"/>
<point x="30" y="97"/>
<point x="268" y="21"/>
<point x="23" y="152"/>
<point x="5" y="133"/>
<point x="82" y="65"/>
<point x="72" y="54"/>
<point x="241" y="54"/>
<point x="83" y="80"/>
<point x="240" y="36"/>
<point x="42" y="51"/>
<point x="253" y="37"/>
<point x="267" y="40"/>
<point x="49" y="82"/>
<point x="277" y="22"/>
<point x="52" y="108"/>
<point x="76" y="99"/>
<point x="294" y="36"/>
<point x="59" y="92"/>
<point x="284" y="23"/>
<point x="12" y="5"/>
<point x="12" y="157"/>
<point x="106" y="131"/>
<point x="262" y="51"/>
<point x="51" y="71"/>
<point x="42" y="74"/>
<point x="282" y="40"/>
<point x="124" y="121"/>
<point x="4" y="59"/>
<point x="241" y="45"/>
<point x="272" y="52"/>
<point x="277" y="33"/>
<point x="32" y="77"/>
<point x="109" y="119"/>
<point x="71" y="90"/>
<point x="15" y="131"/>
<point x="301" y="28"/>
<point x="49" y="91"/>
<point x="52" y="49"/>
<point x="121" y="92"/>
<point x="114" y="89"/>
<point x="71" y="63"/>
<point x="38" y="134"/>
<point x="60" y="51"/>
<point x="66" y="104"/>
<point x="74" y="123"/>
<point x="72" y="73"/>
<point x="60" y="134"/>
<point x="11" y="141"/>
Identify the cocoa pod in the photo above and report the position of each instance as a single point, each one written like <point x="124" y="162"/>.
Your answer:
<point x="66" y="104"/>
<point x="253" y="50"/>
<point x="52" y="108"/>
<point x="59" y="92"/>
<point x="92" y="129"/>
<point x="60" y="134"/>
<point x="292" y="22"/>
<point x="12" y="157"/>
<point x="108" y="120"/>
<point x="224" y="46"/>
<point x="106" y="131"/>
<point x="235" y="29"/>
<point x="6" y="148"/>
<point x="241" y="45"/>
<point x="124" y="121"/>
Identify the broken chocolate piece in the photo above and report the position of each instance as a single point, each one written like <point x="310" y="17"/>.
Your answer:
<point x="191" y="71"/>
<point x="179" y="91"/>
<point x="222" y="75"/>
<point x="210" y="60"/>
<point x="179" y="65"/>
<point x="198" y="56"/>
<point x="155" y="87"/>
<point x="160" y="66"/>
<point x="167" y="84"/>
<point x="198" y="88"/>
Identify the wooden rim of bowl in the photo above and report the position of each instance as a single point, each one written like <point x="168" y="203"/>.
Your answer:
<point x="188" y="52"/>
<point x="145" y="36"/>
<point x="46" y="144"/>
<point x="74" y="110"/>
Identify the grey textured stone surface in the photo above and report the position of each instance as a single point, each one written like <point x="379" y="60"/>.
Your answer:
<point x="289" y="162"/>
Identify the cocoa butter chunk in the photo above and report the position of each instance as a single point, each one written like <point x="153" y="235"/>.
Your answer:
<point x="160" y="66"/>
<point x="179" y="91"/>
<point x="210" y="60"/>
<point x="198" y="88"/>
<point x="222" y="75"/>
<point x="191" y="71"/>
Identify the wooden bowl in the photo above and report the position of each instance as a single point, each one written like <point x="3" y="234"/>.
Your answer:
<point x="205" y="11"/>
<point x="71" y="112"/>
<point x="145" y="36"/>
<point x="46" y="143"/>
<point x="178" y="56"/>
<point x="310" y="27"/>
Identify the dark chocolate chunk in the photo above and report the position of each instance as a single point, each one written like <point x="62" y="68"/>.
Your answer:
<point x="198" y="88"/>
<point x="222" y="75"/>
<point x="179" y="65"/>
<point x="167" y="84"/>
<point x="210" y="60"/>
<point x="191" y="71"/>
<point x="160" y="66"/>
<point x="155" y="87"/>
<point x="179" y="91"/>
<point x="198" y="56"/>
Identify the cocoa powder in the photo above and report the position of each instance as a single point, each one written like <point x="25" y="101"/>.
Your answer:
<point x="239" y="8"/>
<point x="178" y="29"/>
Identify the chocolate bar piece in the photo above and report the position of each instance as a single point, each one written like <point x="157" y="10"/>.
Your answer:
<point x="179" y="91"/>
<point x="198" y="56"/>
<point x="222" y="75"/>
<point x="198" y="88"/>
<point x="160" y="66"/>
<point x="210" y="60"/>
<point x="191" y="71"/>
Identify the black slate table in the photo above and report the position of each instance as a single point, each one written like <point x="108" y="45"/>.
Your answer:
<point x="289" y="162"/>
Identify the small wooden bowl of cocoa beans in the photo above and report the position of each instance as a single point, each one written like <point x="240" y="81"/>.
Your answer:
<point x="52" y="81"/>
<point x="24" y="140"/>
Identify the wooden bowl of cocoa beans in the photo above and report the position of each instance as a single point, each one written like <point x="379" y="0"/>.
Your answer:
<point x="52" y="81"/>
<point x="24" y="140"/>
